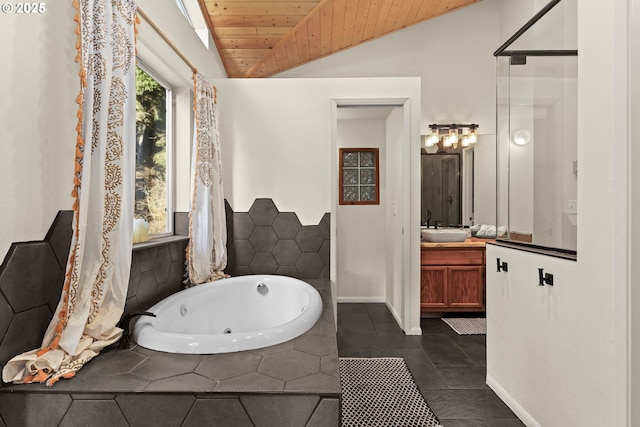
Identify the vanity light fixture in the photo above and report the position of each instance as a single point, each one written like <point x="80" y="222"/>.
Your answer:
<point x="449" y="135"/>
<point x="433" y="138"/>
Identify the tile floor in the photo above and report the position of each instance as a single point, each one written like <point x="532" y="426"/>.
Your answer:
<point x="449" y="369"/>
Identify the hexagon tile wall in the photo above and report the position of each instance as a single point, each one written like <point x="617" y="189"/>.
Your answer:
<point x="267" y="241"/>
<point x="261" y="241"/>
<point x="32" y="275"/>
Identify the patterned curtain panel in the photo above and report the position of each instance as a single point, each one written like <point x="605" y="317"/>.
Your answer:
<point x="97" y="271"/>
<point x="206" y="253"/>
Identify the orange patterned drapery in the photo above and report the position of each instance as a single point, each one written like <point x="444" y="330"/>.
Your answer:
<point x="99" y="262"/>
<point x="206" y="253"/>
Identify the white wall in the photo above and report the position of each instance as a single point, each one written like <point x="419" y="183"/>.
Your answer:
<point x="276" y="142"/>
<point x="531" y="337"/>
<point x="634" y="218"/>
<point x="484" y="153"/>
<point x="452" y="55"/>
<point x="394" y="261"/>
<point x="558" y="355"/>
<point x="360" y="241"/>
<point x="39" y="83"/>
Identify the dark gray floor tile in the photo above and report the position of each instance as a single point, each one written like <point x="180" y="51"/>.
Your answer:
<point x="499" y="423"/>
<point x="435" y="326"/>
<point x="457" y="423"/>
<point x="477" y="355"/>
<point x="349" y="352"/>
<point x="357" y="323"/>
<point x="443" y="351"/>
<point x="387" y="329"/>
<point x="379" y="313"/>
<point x="467" y="377"/>
<point x="470" y="341"/>
<point x="450" y="369"/>
<point x="353" y="342"/>
<point x="350" y="308"/>
<point x="467" y="404"/>
<point x="425" y="375"/>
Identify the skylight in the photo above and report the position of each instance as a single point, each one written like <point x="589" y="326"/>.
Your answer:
<point x="192" y="13"/>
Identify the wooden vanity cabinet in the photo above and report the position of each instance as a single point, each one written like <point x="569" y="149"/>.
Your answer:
<point x="452" y="279"/>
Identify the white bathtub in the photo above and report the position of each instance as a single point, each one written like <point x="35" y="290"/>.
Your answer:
<point x="233" y="314"/>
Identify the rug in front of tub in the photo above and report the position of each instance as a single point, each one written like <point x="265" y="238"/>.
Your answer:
<point x="468" y="325"/>
<point x="380" y="392"/>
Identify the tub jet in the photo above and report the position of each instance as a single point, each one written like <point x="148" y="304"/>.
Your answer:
<point x="262" y="289"/>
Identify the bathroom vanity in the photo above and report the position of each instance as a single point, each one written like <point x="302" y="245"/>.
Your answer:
<point x="452" y="276"/>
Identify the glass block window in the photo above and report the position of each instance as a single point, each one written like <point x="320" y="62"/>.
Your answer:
<point x="359" y="181"/>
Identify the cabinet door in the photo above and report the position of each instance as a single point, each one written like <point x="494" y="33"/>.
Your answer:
<point x="433" y="287"/>
<point x="465" y="288"/>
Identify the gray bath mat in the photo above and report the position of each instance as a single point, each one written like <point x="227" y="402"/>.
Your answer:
<point x="468" y="325"/>
<point x="380" y="392"/>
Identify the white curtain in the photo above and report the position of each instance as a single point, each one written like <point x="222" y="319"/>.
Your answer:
<point x="97" y="271"/>
<point x="206" y="254"/>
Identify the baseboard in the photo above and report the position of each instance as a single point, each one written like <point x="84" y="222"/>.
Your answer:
<point x="396" y="316"/>
<point x="393" y="311"/>
<point x="361" y="299"/>
<point x="520" y="412"/>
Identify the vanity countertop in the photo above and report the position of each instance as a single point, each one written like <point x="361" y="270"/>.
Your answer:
<point x="472" y="242"/>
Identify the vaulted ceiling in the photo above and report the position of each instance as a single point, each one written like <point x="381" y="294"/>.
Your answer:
<point x="259" y="38"/>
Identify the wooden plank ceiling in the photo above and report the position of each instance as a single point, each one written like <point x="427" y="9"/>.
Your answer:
<point x="259" y="38"/>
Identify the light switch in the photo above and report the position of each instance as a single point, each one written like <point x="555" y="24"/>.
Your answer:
<point x="572" y="207"/>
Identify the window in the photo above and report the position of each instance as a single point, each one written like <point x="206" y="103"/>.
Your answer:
<point x="193" y="14"/>
<point x="359" y="176"/>
<point x="153" y="114"/>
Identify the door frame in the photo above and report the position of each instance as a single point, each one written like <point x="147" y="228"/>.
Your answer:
<point x="408" y="300"/>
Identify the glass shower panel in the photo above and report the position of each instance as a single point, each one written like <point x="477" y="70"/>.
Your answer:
<point x="537" y="150"/>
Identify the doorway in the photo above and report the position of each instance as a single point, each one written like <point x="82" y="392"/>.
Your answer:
<point x="370" y="251"/>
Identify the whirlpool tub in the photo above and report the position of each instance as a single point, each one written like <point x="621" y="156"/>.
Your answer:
<point x="233" y="314"/>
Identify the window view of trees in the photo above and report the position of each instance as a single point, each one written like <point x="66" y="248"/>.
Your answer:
<point x="151" y="152"/>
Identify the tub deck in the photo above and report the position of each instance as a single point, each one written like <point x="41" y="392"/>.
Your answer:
<point x="293" y="383"/>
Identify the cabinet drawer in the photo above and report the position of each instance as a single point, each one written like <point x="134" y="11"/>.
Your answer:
<point x="452" y="257"/>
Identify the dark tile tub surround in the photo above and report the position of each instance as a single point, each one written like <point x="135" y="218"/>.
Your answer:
<point x="32" y="276"/>
<point x="294" y="383"/>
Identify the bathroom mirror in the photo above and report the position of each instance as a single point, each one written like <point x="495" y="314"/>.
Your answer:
<point x="441" y="189"/>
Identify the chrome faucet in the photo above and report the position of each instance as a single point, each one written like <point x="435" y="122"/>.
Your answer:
<point x="124" y="324"/>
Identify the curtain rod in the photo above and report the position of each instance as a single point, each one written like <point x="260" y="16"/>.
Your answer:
<point x="166" y="39"/>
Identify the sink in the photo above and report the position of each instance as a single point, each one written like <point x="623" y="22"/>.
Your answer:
<point x="444" y="234"/>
